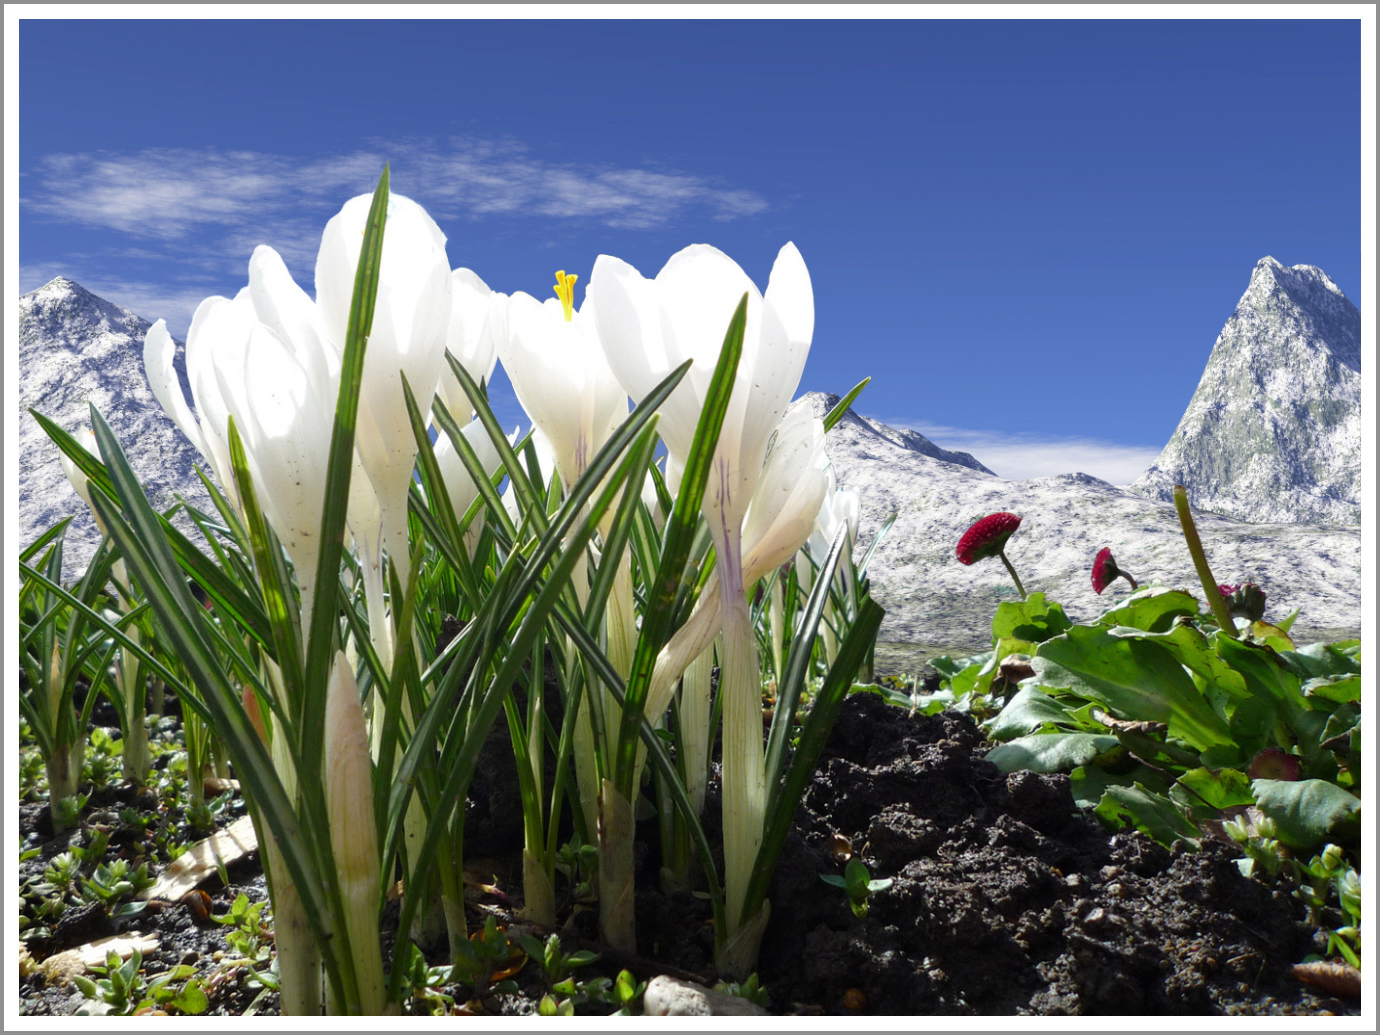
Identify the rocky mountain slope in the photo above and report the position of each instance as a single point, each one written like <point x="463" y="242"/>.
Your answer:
<point x="1273" y="432"/>
<point x="931" y="598"/>
<point x="76" y="348"/>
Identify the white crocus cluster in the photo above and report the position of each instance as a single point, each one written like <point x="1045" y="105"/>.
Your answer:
<point x="270" y="358"/>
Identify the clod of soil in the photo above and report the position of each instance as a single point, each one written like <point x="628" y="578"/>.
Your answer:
<point x="1005" y="898"/>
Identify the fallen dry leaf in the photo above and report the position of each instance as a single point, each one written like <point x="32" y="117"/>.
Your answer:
<point x="60" y="968"/>
<point x="198" y="863"/>
<point x="1338" y="979"/>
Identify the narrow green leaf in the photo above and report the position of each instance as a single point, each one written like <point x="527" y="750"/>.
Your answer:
<point x="797" y="668"/>
<point x="836" y="414"/>
<point x="826" y="707"/>
<point x="321" y="636"/>
<point x="152" y="563"/>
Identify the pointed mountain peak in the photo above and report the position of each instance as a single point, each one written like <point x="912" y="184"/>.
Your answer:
<point x="65" y="308"/>
<point x="1273" y="432"/>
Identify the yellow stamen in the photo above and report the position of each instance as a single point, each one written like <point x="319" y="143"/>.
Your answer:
<point x="565" y="291"/>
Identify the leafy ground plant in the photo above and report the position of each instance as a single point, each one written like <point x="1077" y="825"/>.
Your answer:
<point x="1185" y="719"/>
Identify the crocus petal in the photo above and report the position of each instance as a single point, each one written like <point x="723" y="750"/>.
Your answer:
<point x="218" y="338"/>
<point x="560" y="376"/>
<point x="282" y="306"/>
<point x="631" y="331"/>
<point x="411" y="322"/>
<point x="459" y="485"/>
<point x="286" y="420"/>
<point x="468" y="338"/>
<point x="159" y="352"/>
<point x="789" y="493"/>
<point x="788" y="322"/>
<point x="79" y="481"/>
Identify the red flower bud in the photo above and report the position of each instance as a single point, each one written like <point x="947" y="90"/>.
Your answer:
<point x="1104" y="570"/>
<point x="1274" y="764"/>
<point x="1244" y="601"/>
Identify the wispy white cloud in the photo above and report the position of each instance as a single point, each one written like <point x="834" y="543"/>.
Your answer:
<point x="169" y="194"/>
<point x="1030" y="455"/>
<point x="195" y="216"/>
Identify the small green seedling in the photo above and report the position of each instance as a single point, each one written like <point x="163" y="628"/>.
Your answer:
<point x="483" y="956"/>
<point x="555" y="964"/>
<point x="579" y="863"/>
<point x="858" y="883"/>
<point x="250" y="939"/>
<point x="749" y="990"/>
<point x="422" y="984"/>
<point x="120" y="989"/>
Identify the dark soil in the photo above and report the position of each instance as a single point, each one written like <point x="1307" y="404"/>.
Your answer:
<point x="1005" y="899"/>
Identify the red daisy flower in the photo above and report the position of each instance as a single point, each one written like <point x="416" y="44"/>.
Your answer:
<point x="987" y="537"/>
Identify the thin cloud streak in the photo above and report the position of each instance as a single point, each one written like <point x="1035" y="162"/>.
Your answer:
<point x="1027" y="455"/>
<point x="169" y="194"/>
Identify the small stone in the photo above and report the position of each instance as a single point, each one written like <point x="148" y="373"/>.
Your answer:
<point x="1108" y="872"/>
<point x="1117" y="890"/>
<point x="669" y="997"/>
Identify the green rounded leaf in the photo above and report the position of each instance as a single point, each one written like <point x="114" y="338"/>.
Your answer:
<point x="1219" y="790"/>
<point x="192" y="1000"/>
<point x="1308" y="812"/>
<point x="1153" y="610"/>
<point x="1025" y="713"/>
<point x="1031" y="619"/>
<point x="1050" y="752"/>
<point x="1337" y="689"/>
<point x="1152" y="814"/>
<point x="1140" y="680"/>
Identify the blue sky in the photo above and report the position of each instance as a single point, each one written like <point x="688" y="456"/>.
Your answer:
<point x="1028" y="232"/>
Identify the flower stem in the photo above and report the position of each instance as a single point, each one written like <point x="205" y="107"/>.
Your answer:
<point x="744" y="790"/>
<point x="1195" y="548"/>
<point x="1019" y="588"/>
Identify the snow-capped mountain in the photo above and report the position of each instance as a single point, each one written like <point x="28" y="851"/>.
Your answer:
<point x="1273" y="432"/>
<point x="74" y="349"/>
<point x="931" y="598"/>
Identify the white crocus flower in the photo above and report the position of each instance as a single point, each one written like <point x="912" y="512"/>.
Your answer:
<point x="552" y="354"/>
<point x="80" y="482"/>
<point x="282" y="393"/>
<point x="469" y="337"/>
<point x="411" y="325"/>
<point x="841" y="509"/>
<point x="648" y="327"/>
